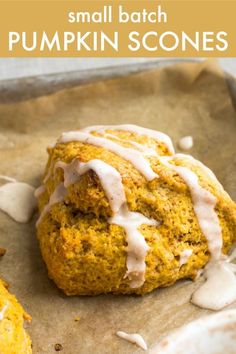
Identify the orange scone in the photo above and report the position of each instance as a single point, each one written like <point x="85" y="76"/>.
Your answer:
<point x="120" y="212"/>
<point x="13" y="337"/>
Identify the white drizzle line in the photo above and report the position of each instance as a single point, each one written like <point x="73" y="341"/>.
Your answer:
<point x="184" y="256"/>
<point x="201" y="197"/>
<point x="56" y="197"/>
<point x="134" y="338"/>
<point x="3" y="310"/>
<point x="144" y="149"/>
<point x="133" y="156"/>
<point x="137" y="246"/>
<point x="109" y="177"/>
<point x="204" y="207"/>
<point x="206" y="169"/>
<point x="112" y="184"/>
<point x="158" y="136"/>
<point x="219" y="288"/>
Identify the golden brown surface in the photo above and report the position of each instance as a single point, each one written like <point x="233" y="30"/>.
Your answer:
<point x="86" y="255"/>
<point x="13" y="337"/>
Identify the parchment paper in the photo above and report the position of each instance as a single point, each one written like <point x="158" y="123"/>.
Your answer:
<point x="184" y="99"/>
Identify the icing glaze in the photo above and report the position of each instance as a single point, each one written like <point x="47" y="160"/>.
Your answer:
<point x="133" y="156"/>
<point x="219" y="288"/>
<point x="137" y="246"/>
<point x="184" y="256"/>
<point x="206" y="169"/>
<point x="147" y="151"/>
<point x="134" y="338"/>
<point x="186" y="143"/>
<point x="204" y="207"/>
<point x="17" y="200"/>
<point x="56" y="197"/>
<point x="111" y="182"/>
<point x="154" y="134"/>
<point x="109" y="177"/>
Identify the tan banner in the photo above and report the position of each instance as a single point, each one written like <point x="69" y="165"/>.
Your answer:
<point x="117" y="28"/>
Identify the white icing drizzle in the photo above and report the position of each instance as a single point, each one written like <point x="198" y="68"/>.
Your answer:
<point x="40" y="190"/>
<point x="206" y="169"/>
<point x="109" y="177"/>
<point x="147" y="151"/>
<point x="3" y="310"/>
<point x="184" y="256"/>
<point x="134" y="338"/>
<point x="204" y="207"/>
<point x="56" y="197"/>
<point x="112" y="184"/>
<point x="158" y="136"/>
<point x="137" y="246"/>
<point x="219" y="288"/>
<point x="186" y="143"/>
<point x="133" y="156"/>
<point x="203" y="200"/>
<point x="17" y="200"/>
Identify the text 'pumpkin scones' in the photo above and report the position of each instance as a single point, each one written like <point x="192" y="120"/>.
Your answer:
<point x="122" y="213"/>
<point x="13" y="337"/>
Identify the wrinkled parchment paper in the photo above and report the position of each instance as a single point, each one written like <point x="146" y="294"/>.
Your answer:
<point x="184" y="99"/>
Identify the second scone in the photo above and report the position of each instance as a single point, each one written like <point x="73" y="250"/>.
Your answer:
<point x="13" y="337"/>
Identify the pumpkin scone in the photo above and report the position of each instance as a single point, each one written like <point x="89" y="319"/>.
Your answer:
<point x="13" y="337"/>
<point x="120" y="212"/>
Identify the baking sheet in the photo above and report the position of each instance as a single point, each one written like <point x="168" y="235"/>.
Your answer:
<point x="183" y="99"/>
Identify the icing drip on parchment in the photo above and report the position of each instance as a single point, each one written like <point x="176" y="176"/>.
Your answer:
<point x="204" y="202"/>
<point x="17" y="199"/>
<point x="219" y="288"/>
<point x="186" y="143"/>
<point x="134" y="338"/>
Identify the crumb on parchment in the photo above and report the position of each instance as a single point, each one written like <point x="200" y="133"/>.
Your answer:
<point x="2" y="251"/>
<point x="58" y="347"/>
